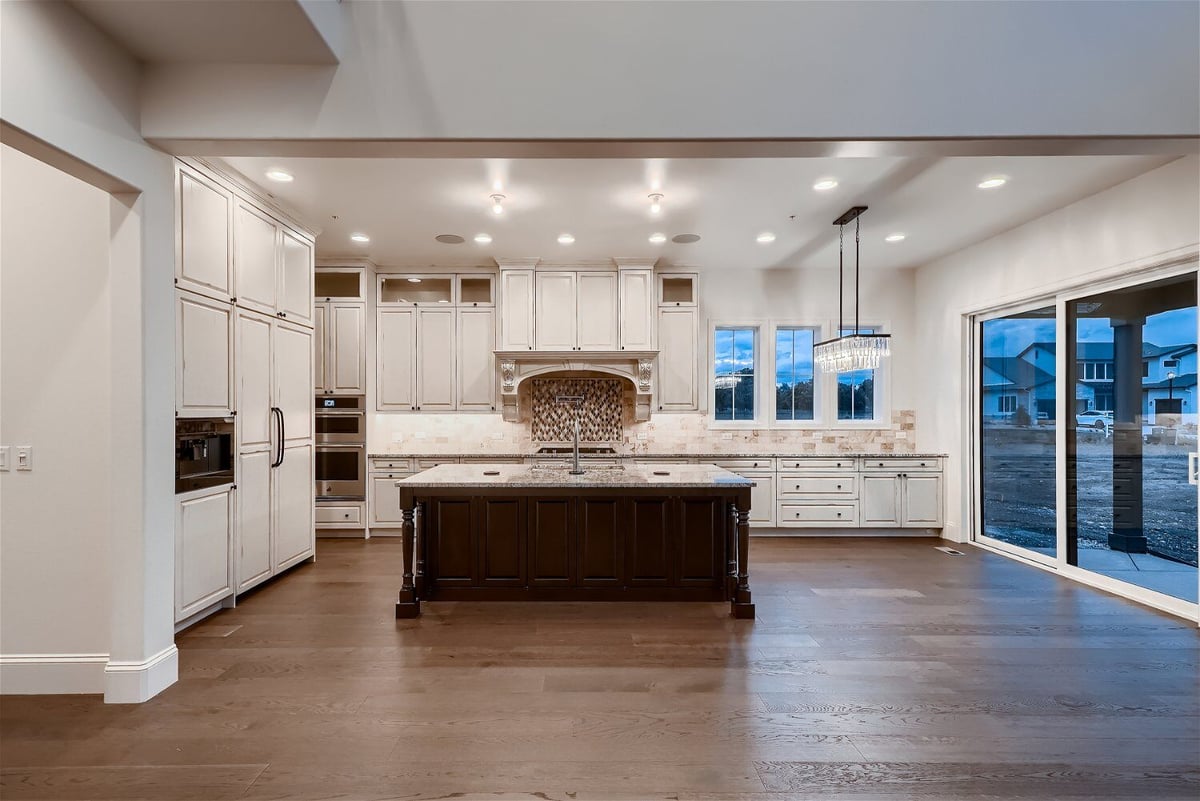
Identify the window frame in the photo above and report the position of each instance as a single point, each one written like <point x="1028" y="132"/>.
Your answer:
<point x="881" y="403"/>
<point x="818" y="420"/>
<point x="755" y="421"/>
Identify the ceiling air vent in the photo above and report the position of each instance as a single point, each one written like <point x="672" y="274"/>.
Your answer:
<point x="450" y="239"/>
<point x="685" y="239"/>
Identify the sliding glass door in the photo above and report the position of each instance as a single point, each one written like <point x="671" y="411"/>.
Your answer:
<point x="1018" y="398"/>
<point x="1086" y="434"/>
<point x="1131" y="510"/>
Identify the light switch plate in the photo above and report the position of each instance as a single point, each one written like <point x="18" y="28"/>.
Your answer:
<point x="642" y="436"/>
<point x="24" y="457"/>
<point x="4" y="457"/>
<point x="497" y="435"/>
<point x="901" y="435"/>
<point x="727" y="435"/>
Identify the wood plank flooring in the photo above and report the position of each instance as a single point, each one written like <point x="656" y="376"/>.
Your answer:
<point x="877" y="669"/>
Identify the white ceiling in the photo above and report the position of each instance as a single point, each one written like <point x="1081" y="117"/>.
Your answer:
<point x="204" y="31"/>
<point x="402" y="204"/>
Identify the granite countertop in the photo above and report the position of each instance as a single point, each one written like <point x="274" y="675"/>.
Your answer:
<point x="476" y="455"/>
<point x="523" y="475"/>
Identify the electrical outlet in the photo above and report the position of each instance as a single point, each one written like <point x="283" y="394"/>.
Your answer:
<point x="397" y="437"/>
<point x="24" y="457"/>
<point x="727" y="435"/>
<point x="901" y="435"/>
<point x="4" y="457"/>
<point x="642" y="436"/>
<point x="497" y="435"/>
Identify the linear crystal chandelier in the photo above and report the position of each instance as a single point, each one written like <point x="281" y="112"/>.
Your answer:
<point x="854" y="351"/>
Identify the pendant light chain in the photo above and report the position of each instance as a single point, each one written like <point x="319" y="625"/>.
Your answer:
<point x="857" y="283"/>
<point x="847" y="353"/>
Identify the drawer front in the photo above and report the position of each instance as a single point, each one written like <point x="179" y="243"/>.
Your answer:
<point x="651" y="460"/>
<point x="346" y="515"/>
<point x="890" y="463"/>
<point x="737" y="465"/>
<point x="817" y="515"/>
<point x="391" y="463"/>
<point x="425" y="464"/>
<point x="807" y="484"/>
<point x="822" y="463"/>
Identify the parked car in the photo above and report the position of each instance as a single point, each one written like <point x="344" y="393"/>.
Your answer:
<point x="1094" y="418"/>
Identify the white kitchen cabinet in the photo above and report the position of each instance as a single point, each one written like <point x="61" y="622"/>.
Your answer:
<point x="255" y="259"/>
<point x="204" y="367"/>
<point x="291" y="353"/>
<point x="255" y="380"/>
<point x="395" y="354"/>
<point x="762" y="497"/>
<point x="295" y="530"/>
<point x="254" y="509"/>
<point x="677" y="386"/>
<point x="474" y="344"/>
<point x="921" y="496"/>
<point x="554" y="324"/>
<point x="203" y="255"/>
<point x="296" y="278"/>
<point x="204" y="525"/>
<point x="385" y="500"/>
<point x="275" y="501"/>
<point x="516" y="310"/>
<point x="637" y="309"/>
<point x="880" y="502"/>
<point x="344" y="349"/>
<point x="320" y="333"/>
<point x="435" y="360"/>
<point x="596" y="315"/>
<point x="905" y="499"/>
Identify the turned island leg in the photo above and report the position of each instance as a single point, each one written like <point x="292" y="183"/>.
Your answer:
<point x="408" y="604"/>
<point x="742" y="606"/>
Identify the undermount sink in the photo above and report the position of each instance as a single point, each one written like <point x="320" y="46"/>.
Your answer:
<point x="586" y="466"/>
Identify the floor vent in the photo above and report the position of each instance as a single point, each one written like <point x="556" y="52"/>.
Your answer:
<point x="950" y="551"/>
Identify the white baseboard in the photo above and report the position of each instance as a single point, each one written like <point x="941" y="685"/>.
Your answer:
<point x="135" y="682"/>
<point x="52" y="674"/>
<point x="800" y="533"/>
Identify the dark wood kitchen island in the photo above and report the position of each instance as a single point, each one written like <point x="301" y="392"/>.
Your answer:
<point x="504" y="532"/>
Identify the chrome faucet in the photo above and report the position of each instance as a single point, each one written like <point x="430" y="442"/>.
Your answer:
<point x="577" y="402"/>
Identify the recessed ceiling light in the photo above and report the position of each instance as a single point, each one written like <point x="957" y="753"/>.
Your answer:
<point x="896" y="237"/>
<point x="657" y="239"/>
<point x="363" y="238"/>
<point x="685" y="239"/>
<point x="497" y="203"/>
<point x="443" y="300"/>
<point x="993" y="181"/>
<point x="825" y="184"/>
<point x="565" y="239"/>
<point x="766" y="237"/>
<point x="282" y="176"/>
<point x="414" y="280"/>
<point x="483" y="239"/>
<point x="450" y="239"/>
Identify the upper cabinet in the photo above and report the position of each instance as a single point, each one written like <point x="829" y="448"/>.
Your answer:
<point x="203" y="228"/>
<point x="204" y="356"/>
<point x="637" y="309"/>
<point x="296" y="278"/>
<point x="516" y="309"/>
<point x="596" y="311"/>
<point x="416" y="290"/>
<point x="554" y="315"/>
<point x="340" y="332"/>
<point x="255" y="259"/>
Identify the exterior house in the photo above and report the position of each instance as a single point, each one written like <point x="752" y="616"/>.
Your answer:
<point x="1026" y="381"/>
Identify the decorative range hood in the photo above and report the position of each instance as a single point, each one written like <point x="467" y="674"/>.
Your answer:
<point x="516" y="366"/>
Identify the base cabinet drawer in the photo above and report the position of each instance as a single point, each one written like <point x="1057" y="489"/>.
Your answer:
<point x="738" y="465"/>
<point x="391" y="464"/>
<point x="800" y="485"/>
<point x="343" y="515"/>
<point x="906" y="464"/>
<point x="816" y="515"/>
<point x="817" y="463"/>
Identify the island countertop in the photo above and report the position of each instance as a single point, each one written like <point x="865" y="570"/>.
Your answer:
<point x="500" y="476"/>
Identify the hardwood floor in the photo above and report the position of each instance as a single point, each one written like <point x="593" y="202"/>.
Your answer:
<point x="877" y="669"/>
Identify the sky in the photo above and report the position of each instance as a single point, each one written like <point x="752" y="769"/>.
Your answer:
<point x="1010" y="336"/>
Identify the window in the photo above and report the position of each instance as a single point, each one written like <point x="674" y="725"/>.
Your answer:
<point x="794" y="377"/>
<point x="856" y="390"/>
<point x="1007" y="404"/>
<point x="734" y="362"/>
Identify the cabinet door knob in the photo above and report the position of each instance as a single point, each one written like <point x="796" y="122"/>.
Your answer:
<point x="922" y="464"/>
<point x="839" y="486"/>
<point x="839" y="514"/>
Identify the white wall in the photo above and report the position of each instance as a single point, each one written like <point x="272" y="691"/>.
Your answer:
<point x="1138" y="222"/>
<point x="670" y="70"/>
<point x="55" y="372"/>
<point x="67" y="84"/>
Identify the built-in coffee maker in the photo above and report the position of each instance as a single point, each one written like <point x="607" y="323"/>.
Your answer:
<point x="203" y="453"/>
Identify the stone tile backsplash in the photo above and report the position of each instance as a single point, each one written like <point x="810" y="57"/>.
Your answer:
<point x="665" y="433"/>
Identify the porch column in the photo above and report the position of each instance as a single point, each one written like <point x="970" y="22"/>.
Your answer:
<point x="1127" y="532"/>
